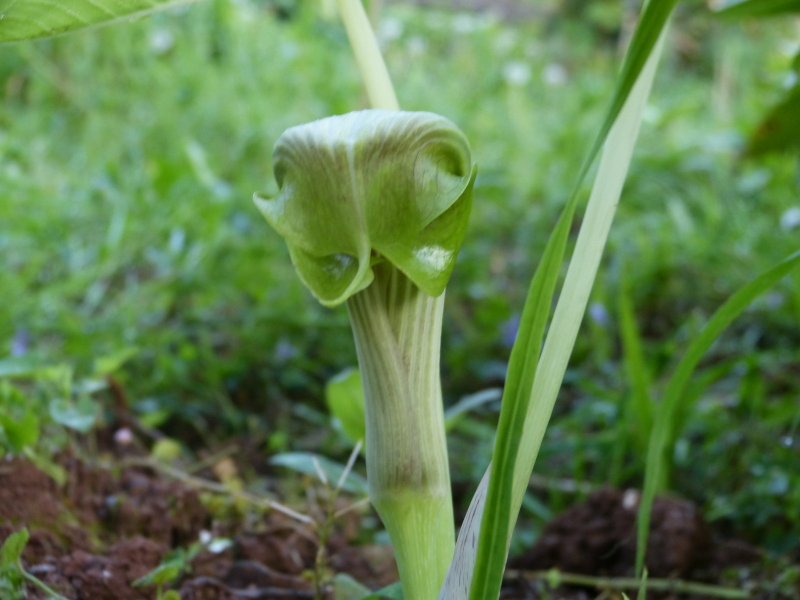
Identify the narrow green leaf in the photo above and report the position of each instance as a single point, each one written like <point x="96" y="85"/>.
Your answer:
<point x="454" y="414"/>
<point x="758" y="8"/>
<point x="531" y="399"/>
<point x="459" y="576"/>
<point x="693" y="392"/>
<point x="12" y="549"/>
<point x="111" y="363"/>
<point x="642" y="595"/>
<point x="640" y="410"/>
<point x="46" y="464"/>
<point x="303" y="462"/>
<point x="26" y="19"/>
<point x="164" y="573"/>
<point x="676" y="387"/>
<point x="652" y="22"/>
<point x="498" y="519"/>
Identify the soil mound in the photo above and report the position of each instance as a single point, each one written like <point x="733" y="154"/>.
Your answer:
<point x="598" y="537"/>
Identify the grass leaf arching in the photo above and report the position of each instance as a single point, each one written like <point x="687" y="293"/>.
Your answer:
<point x="663" y="422"/>
<point x="529" y="406"/>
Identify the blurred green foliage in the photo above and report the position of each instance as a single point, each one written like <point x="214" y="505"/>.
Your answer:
<point x="129" y="155"/>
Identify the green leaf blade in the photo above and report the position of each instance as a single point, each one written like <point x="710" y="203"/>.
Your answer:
<point x="303" y="462"/>
<point x="497" y="517"/>
<point x="665" y="415"/>
<point x="652" y="22"/>
<point x="21" y="433"/>
<point x="759" y="8"/>
<point x="502" y="505"/>
<point x="79" y="415"/>
<point x="11" y="551"/>
<point x="28" y="19"/>
<point x="640" y="408"/>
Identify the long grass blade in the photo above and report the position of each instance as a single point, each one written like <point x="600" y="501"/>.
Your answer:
<point x="525" y="413"/>
<point x="636" y="418"/>
<point x="759" y="8"/>
<point x="497" y="521"/>
<point x="640" y="410"/>
<point x="676" y="387"/>
<point x="642" y="595"/>
<point x="654" y="19"/>
<point x="580" y="275"/>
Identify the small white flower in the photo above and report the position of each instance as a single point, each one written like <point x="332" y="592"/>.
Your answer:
<point x="517" y="73"/>
<point x="123" y="436"/>
<point x="391" y="29"/>
<point x="505" y="42"/>
<point x="630" y="499"/>
<point x="417" y="46"/>
<point x="219" y="545"/>
<point x="464" y="23"/>
<point x="789" y="47"/>
<point x="290" y="50"/>
<point x="791" y="218"/>
<point x="161" y="41"/>
<point x="555" y="74"/>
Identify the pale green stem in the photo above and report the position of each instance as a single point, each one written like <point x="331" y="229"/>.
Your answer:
<point x="40" y="584"/>
<point x="397" y="330"/>
<point x="677" y="586"/>
<point x="368" y="55"/>
<point x="375" y="7"/>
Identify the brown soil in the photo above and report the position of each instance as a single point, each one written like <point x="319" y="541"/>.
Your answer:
<point x="92" y="538"/>
<point x="598" y="537"/>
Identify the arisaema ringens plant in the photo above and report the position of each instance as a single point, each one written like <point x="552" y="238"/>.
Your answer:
<point x="373" y="206"/>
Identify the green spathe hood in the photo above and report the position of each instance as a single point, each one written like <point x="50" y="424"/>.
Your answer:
<point x="371" y="184"/>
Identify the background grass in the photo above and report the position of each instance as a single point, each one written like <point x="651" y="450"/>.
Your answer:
<point x="128" y="157"/>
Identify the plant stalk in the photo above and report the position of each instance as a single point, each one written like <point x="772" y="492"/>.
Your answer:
<point x="368" y="55"/>
<point x="397" y="331"/>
